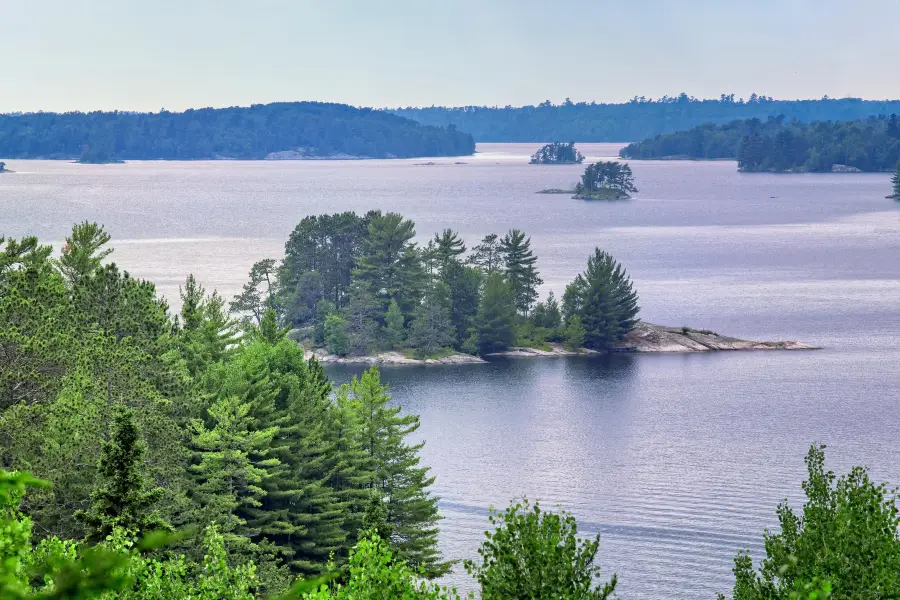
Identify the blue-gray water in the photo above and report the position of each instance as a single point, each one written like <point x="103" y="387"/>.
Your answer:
<point x="678" y="461"/>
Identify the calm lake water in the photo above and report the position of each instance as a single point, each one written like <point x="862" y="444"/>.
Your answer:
<point x="678" y="461"/>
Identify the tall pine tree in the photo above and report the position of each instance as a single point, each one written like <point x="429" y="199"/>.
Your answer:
<point x="521" y="273"/>
<point x="412" y="511"/>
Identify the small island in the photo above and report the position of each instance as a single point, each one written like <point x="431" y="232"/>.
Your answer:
<point x="604" y="180"/>
<point x="557" y="153"/>
<point x="357" y="289"/>
<point x="895" y="180"/>
<point x="3" y="168"/>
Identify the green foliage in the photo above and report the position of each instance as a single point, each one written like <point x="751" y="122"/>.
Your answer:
<point x="638" y="119"/>
<point x="574" y="334"/>
<point x="361" y="314"/>
<point x="496" y="319"/>
<point x="488" y="255"/>
<point x="603" y="175"/>
<point x="394" y="329"/>
<point x="412" y="513"/>
<point x="464" y="285"/>
<point x="536" y="554"/>
<point x="123" y="499"/>
<point x="390" y="264"/>
<point x="259" y="292"/>
<point x="375" y="573"/>
<point x="603" y="299"/>
<point x="336" y="339"/>
<point x="448" y="248"/>
<point x="519" y="264"/>
<point x="431" y="328"/>
<point x="847" y="535"/>
<point x="778" y="143"/>
<point x="312" y="128"/>
<point x="83" y="252"/>
<point x="557" y="153"/>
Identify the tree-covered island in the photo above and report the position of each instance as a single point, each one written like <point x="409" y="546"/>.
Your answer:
<point x="557" y="153"/>
<point x="895" y="182"/>
<point x="604" y="180"/>
<point x="279" y="130"/>
<point x="778" y="145"/>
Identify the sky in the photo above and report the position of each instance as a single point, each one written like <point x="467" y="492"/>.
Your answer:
<point x="61" y="55"/>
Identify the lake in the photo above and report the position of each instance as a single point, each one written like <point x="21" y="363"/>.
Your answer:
<point x="678" y="461"/>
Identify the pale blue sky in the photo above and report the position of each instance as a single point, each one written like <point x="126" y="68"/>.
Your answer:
<point x="177" y="54"/>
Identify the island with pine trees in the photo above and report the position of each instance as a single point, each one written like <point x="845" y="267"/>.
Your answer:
<point x="357" y="289"/>
<point x="604" y="180"/>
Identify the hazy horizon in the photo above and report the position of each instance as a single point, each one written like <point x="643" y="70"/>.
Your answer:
<point x="108" y="55"/>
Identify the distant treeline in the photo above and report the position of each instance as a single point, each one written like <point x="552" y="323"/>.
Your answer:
<point x="637" y="119"/>
<point x="871" y="144"/>
<point x="312" y="128"/>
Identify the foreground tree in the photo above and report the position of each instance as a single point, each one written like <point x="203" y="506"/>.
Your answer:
<point x="520" y="268"/>
<point x="602" y="297"/>
<point x="847" y="535"/>
<point x="537" y="554"/>
<point x="412" y="512"/>
<point x="83" y="252"/>
<point x="123" y="498"/>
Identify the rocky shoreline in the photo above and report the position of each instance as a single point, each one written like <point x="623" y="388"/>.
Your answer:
<point x="645" y="338"/>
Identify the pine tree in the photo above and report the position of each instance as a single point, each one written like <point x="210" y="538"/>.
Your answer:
<point x="361" y="314"/>
<point x="232" y="467"/>
<point x="83" y="252"/>
<point x="488" y="255"/>
<point x="431" y="328"/>
<point x="449" y="247"/>
<point x="207" y="332"/>
<point x="496" y="319"/>
<point x="521" y="273"/>
<point x="412" y="512"/>
<point x="603" y="298"/>
<point x="390" y="263"/>
<point x="394" y="330"/>
<point x="895" y="180"/>
<point x="123" y="498"/>
<point x="259" y="292"/>
<point x="464" y="284"/>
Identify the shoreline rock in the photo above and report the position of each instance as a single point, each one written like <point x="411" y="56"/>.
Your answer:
<point x="645" y="338"/>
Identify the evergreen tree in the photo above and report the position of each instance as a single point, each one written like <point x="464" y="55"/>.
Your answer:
<point x="488" y="255"/>
<point x="602" y="297"/>
<point x="449" y="247"/>
<point x="895" y="180"/>
<point x="464" y="284"/>
<point x="259" y="292"/>
<point x="123" y="498"/>
<point x="394" y="331"/>
<point x="231" y="468"/>
<point x="496" y="319"/>
<point x="390" y="263"/>
<point x="431" y="328"/>
<point x="83" y="252"/>
<point x="335" y="333"/>
<point x="574" y="333"/>
<point x="521" y="273"/>
<point x="412" y="512"/>
<point x="361" y="315"/>
<point x="207" y="332"/>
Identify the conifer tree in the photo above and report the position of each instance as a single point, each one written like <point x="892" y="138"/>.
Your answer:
<point x="602" y="297"/>
<point x="361" y="314"/>
<point x="390" y="263"/>
<point x="895" y="180"/>
<point x="394" y="331"/>
<point x="488" y="255"/>
<point x="431" y="328"/>
<point x="83" y="252"/>
<point x="519" y="267"/>
<point x="412" y="512"/>
<point x="449" y="247"/>
<point x="464" y="284"/>
<point x="207" y="332"/>
<point x="123" y="498"/>
<point x="232" y="468"/>
<point x="496" y="319"/>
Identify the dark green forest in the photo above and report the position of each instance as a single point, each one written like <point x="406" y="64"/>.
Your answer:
<point x="313" y="129"/>
<point x="776" y="144"/>
<point x="360" y="285"/>
<point x="637" y="119"/>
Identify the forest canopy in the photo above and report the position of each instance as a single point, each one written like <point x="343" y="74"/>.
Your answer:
<point x="312" y="129"/>
<point x="776" y="144"/>
<point x="636" y="119"/>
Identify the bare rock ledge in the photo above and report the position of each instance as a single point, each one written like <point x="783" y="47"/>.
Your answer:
<point x="644" y="338"/>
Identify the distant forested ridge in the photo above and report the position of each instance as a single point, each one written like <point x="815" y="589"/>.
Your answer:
<point x="311" y="129"/>
<point x="871" y="144"/>
<point x="637" y="119"/>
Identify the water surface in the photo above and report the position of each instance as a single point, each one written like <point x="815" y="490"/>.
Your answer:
<point x="678" y="461"/>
